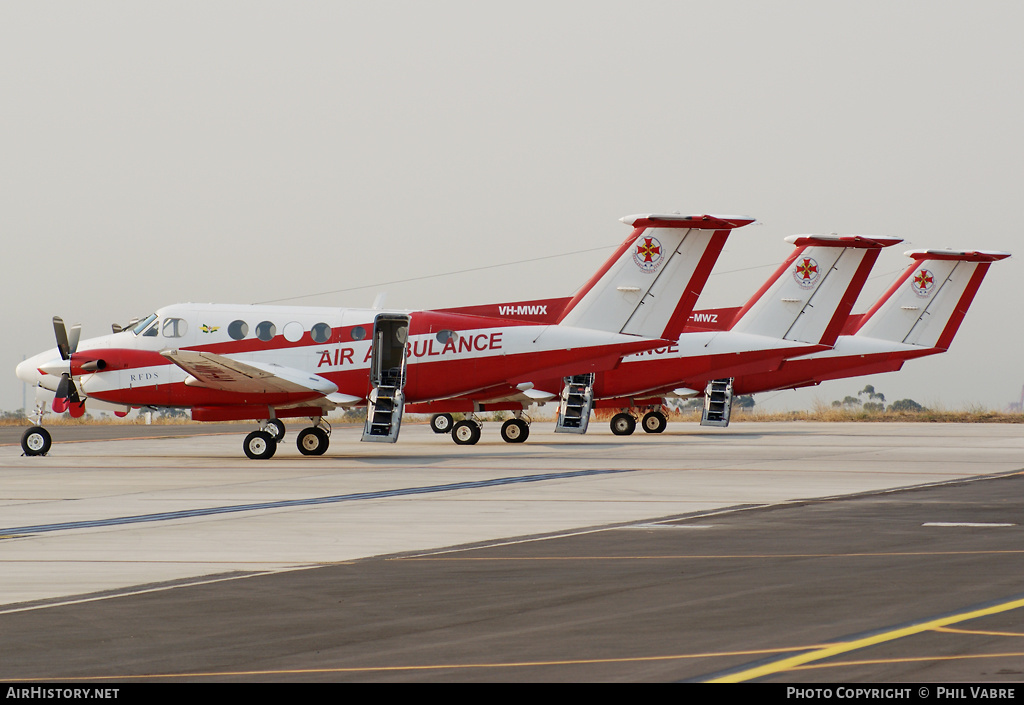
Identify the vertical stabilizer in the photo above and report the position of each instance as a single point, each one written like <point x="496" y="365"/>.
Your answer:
<point x="928" y="301"/>
<point x="650" y="285"/>
<point x="809" y="297"/>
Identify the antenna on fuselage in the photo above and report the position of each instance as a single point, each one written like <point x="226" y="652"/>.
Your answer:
<point x="378" y="303"/>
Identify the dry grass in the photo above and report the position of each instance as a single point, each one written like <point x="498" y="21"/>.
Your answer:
<point x="821" y="413"/>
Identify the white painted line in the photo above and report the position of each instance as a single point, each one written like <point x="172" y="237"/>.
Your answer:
<point x="963" y="523"/>
<point x="669" y="526"/>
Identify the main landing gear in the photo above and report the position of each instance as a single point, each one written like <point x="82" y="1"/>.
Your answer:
<point x="468" y="432"/>
<point x="262" y="444"/>
<point x="624" y="424"/>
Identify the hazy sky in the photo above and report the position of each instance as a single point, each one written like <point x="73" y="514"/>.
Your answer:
<point x="152" y="153"/>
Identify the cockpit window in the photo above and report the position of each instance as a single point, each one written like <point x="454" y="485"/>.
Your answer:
<point x="144" y="323"/>
<point x="175" y="327"/>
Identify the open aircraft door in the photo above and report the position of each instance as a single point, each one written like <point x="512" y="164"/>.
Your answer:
<point x="387" y="377"/>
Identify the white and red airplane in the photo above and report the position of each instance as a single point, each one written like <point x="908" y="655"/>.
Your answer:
<point x="917" y="316"/>
<point x="229" y="362"/>
<point x="799" y="310"/>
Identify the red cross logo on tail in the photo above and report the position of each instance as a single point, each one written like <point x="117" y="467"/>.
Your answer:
<point x="923" y="282"/>
<point x="648" y="254"/>
<point x="806" y="272"/>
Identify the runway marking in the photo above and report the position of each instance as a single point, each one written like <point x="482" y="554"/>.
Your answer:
<point x="793" y="662"/>
<point x="285" y="503"/>
<point x="431" y="557"/>
<point x="426" y="667"/>
<point x="974" y="524"/>
<point x="908" y="659"/>
<point x="979" y="632"/>
<point x="146" y="590"/>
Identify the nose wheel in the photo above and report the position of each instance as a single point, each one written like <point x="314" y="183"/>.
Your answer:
<point x="36" y="441"/>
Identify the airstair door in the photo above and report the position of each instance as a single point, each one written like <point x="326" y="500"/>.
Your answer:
<point x="387" y="378"/>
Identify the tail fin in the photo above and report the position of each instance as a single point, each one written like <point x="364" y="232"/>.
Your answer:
<point x="928" y="301"/>
<point x="809" y="297"/>
<point x="651" y="284"/>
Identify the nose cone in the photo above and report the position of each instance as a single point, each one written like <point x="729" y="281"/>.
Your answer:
<point x="28" y="370"/>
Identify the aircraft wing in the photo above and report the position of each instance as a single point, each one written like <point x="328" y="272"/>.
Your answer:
<point x="218" y="372"/>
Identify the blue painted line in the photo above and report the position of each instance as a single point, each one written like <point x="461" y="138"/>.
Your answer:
<point x="209" y="511"/>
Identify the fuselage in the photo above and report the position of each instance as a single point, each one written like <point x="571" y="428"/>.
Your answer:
<point x="446" y="354"/>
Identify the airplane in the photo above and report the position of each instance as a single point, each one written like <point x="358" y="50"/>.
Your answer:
<point x="800" y="309"/>
<point x="917" y="316"/>
<point x="265" y="363"/>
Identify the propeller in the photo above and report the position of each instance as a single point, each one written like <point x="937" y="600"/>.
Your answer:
<point x="67" y="397"/>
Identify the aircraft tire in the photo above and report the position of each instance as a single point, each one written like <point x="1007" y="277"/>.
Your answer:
<point x="466" y="433"/>
<point x="441" y="423"/>
<point x="515" y="431"/>
<point x="623" y="424"/>
<point x="259" y="445"/>
<point x="276" y="428"/>
<point x="654" y="422"/>
<point x="36" y="441"/>
<point x="313" y="441"/>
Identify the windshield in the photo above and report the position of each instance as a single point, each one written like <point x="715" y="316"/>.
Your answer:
<point x="143" y="323"/>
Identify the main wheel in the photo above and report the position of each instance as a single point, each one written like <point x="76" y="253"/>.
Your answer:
<point x="515" y="431"/>
<point x="259" y="445"/>
<point x="276" y="428"/>
<point x="623" y="424"/>
<point x="313" y="441"/>
<point x="466" y="433"/>
<point x="36" y="441"/>
<point x="654" y="422"/>
<point x="441" y="423"/>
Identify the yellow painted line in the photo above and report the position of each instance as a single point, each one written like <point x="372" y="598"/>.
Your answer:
<point x="950" y="630"/>
<point x="793" y="662"/>
<point x="909" y="659"/>
<point x="434" y="667"/>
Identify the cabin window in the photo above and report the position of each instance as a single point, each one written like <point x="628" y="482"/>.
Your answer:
<point x="443" y="336"/>
<point x="238" y="330"/>
<point x="293" y="331"/>
<point x="358" y="333"/>
<point x="265" y="330"/>
<point x="320" y="333"/>
<point x="175" y="327"/>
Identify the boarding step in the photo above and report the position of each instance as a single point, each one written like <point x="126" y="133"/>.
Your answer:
<point x="577" y="401"/>
<point x="384" y="415"/>
<point x="717" y="403"/>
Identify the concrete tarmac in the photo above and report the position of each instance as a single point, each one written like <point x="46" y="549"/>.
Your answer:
<point x="694" y="554"/>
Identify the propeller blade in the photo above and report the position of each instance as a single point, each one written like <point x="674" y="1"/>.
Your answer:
<point x="61" y="334"/>
<point x="74" y="337"/>
<point x="60" y="399"/>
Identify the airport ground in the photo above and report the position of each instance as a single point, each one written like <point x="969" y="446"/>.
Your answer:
<point x="794" y="552"/>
